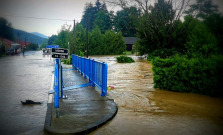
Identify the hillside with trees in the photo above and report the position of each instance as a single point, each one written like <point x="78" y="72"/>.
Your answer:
<point x="29" y="37"/>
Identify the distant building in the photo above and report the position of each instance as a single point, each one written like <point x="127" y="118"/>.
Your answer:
<point x="5" y="44"/>
<point x="24" y="43"/>
<point x="130" y="41"/>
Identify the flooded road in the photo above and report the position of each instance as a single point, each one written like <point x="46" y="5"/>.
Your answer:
<point x="22" y="78"/>
<point x="144" y="110"/>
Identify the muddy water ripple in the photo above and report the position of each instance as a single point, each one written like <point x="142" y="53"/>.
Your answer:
<point x="144" y="110"/>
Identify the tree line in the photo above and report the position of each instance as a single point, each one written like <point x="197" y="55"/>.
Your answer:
<point x="159" y="28"/>
<point x="186" y="53"/>
<point x="106" y="30"/>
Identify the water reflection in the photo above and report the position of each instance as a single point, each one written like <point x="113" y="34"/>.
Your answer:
<point x="145" y="110"/>
<point x="24" y="77"/>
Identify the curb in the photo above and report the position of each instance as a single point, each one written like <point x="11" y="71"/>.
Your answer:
<point x="85" y="130"/>
<point x="48" y="130"/>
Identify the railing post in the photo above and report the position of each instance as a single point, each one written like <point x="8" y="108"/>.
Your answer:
<point x="84" y="67"/>
<point x="61" y="84"/>
<point x="72" y="60"/>
<point x="104" y="79"/>
<point x="78" y="62"/>
<point x="93" y="73"/>
<point x="56" y="87"/>
<point x="90" y="71"/>
<point x="81" y="65"/>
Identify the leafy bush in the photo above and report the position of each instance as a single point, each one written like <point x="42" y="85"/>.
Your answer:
<point x="196" y="75"/>
<point x="81" y="54"/>
<point x="68" y="61"/>
<point x="114" y="43"/>
<point x="124" y="59"/>
<point x="161" y="53"/>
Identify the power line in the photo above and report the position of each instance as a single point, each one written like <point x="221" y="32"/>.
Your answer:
<point x="40" y="18"/>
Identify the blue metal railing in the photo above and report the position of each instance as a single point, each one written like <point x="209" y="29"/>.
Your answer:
<point x="95" y="71"/>
<point x="58" y="83"/>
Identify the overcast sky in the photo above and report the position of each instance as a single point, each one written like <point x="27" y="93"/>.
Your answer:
<point x="52" y="9"/>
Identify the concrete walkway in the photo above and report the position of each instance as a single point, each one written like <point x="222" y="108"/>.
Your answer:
<point x="83" y="111"/>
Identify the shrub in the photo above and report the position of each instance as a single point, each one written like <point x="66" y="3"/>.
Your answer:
<point x="68" y="61"/>
<point x="196" y="75"/>
<point x="124" y="59"/>
<point x="161" y="53"/>
<point x="81" y="54"/>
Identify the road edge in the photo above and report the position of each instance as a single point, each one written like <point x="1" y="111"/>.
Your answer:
<point x="85" y="130"/>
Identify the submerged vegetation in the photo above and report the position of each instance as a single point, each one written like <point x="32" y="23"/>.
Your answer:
<point x="124" y="59"/>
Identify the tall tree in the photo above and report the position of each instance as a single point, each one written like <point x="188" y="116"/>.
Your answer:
<point x="155" y="29"/>
<point x="103" y="21"/>
<point x="63" y="36"/>
<point x="145" y="5"/>
<point x="91" y="11"/>
<point x="113" y="43"/>
<point x="52" y="39"/>
<point x="126" y="21"/>
<point x="214" y="23"/>
<point x="6" y="30"/>
<point x="96" y="42"/>
<point x="80" y="39"/>
<point x="202" y="9"/>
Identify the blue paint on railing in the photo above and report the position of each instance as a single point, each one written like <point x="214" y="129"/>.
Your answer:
<point x="61" y="82"/>
<point x="95" y="71"/>
<point x="67" y="69"/>
<point x="77" y="86"/>
<point x="56" y="84"/>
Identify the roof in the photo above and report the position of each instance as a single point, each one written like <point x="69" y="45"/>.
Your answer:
<point x="8" y="41"/>
<point x="24" y="43"/>
<point x="130" y="40"/>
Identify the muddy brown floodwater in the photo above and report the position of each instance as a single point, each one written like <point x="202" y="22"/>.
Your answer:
<point x="144" y="110"/>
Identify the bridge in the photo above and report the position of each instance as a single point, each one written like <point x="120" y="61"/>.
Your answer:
<point x="78" y="103"/>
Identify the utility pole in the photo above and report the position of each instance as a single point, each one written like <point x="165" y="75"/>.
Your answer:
<point x="18" y="37"/>
<point x="74" y="39"/>
<point x="19" y="41"/>
<point x="87" y="37"/>
<point x="23" y="47"/>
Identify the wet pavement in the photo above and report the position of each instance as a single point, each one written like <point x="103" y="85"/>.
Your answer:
<point x="22" y="78"/>
<point x="83" y="109"/>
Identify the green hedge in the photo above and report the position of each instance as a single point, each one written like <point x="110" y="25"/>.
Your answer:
<point x="196" y="75"/>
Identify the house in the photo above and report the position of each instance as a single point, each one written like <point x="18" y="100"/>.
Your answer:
<point x="130" y="41"/>
<point x="24" y="43"/>
<point x="5" y="44"/>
